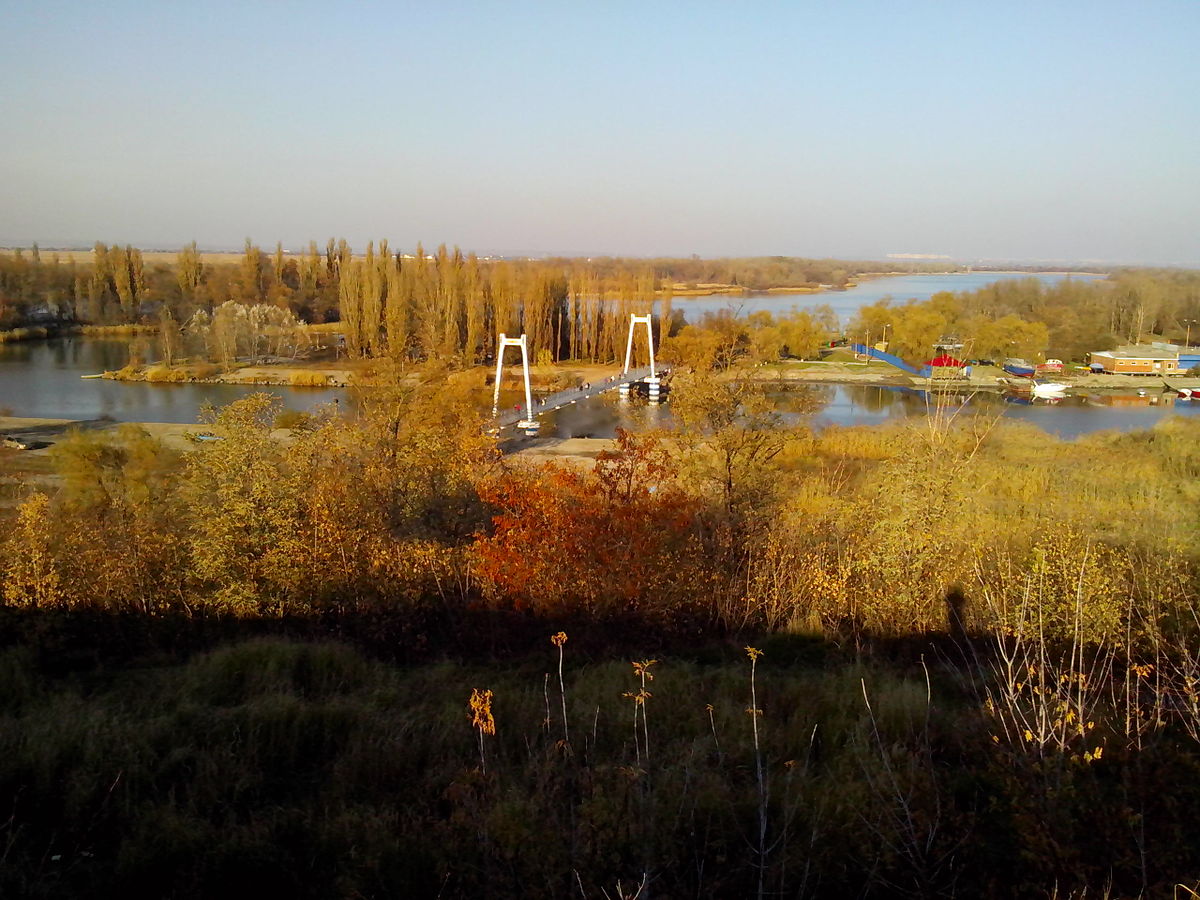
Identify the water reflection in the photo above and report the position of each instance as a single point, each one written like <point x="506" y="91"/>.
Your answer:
<point x="839" y="404"/>
<point x="873" y="399"/>
<point x="41" y="378"/>
<point x="803" y="399"/>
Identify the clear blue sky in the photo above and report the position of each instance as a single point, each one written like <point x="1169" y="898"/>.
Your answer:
<point x="977" y="129"/>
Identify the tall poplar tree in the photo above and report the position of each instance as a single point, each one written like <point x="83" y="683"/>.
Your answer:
<point x="189" y="270"/>
<point x="372" y="285"/>
<point x="123" y="283"/>
<point x="252" y="273"/>
<point x="396" y="312"/>
<point x="475" y="297"/>
<point x="350" y="295"/>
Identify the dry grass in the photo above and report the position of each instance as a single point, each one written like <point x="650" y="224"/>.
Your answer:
<point x="166" y="374"/>
<point x="117" y="330"/>
<point x="307" y="379"/>
<point x="326" y="328"/>
<point x="22" y="334"/>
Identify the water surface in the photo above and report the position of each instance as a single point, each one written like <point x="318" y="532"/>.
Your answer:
<point x="822" y="405"/>
<point x="42" y="379"/>
<point x="846" y="303"/>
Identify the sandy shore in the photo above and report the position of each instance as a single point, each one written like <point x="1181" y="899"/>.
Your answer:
<point x="44" y="433"/>
<point x="580" y="451"/>
<point x="283" y="375"/>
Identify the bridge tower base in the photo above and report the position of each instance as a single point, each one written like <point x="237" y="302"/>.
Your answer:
<point x="653" y="382"/>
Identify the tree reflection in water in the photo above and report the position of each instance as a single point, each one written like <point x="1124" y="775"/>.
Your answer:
<point x="802" y="399"/>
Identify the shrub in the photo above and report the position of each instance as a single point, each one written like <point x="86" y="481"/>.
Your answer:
<point x="205" y="370"/>
<point x="164" y="374"/>
<point x="308" y="379"/>
<point x="292" y="418"/>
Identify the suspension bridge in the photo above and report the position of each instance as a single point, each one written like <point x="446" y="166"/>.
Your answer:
<point x="525" y="416"/>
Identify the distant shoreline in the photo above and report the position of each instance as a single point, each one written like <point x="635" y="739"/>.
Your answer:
<point x="739" y="291"/>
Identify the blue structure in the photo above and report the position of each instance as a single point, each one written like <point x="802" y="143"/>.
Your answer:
<point x="923" y="372"/>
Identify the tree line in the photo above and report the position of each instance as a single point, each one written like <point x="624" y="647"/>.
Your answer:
<point x="450" y="305"/>
<point x="1029" y="318"/>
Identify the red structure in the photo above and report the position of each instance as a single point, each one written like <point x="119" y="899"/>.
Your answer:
<point x="944" y="361"/>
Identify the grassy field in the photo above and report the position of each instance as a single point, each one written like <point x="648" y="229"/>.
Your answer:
<point x="282" y="766"/>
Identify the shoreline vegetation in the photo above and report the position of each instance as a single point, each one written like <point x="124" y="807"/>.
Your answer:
<point x="547" y="379"/>
<point x="44" y="332"/>
<point x="684" y="291"/>
<point x="410" y="308"/>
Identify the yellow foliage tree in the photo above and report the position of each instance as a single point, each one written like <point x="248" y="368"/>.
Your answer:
<point x="31" y="576"/>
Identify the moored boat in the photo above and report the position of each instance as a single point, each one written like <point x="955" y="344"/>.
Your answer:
<point x="1183" y="393"/>
<point x="1019" y="368"/>
<point x="1049" y="390"/>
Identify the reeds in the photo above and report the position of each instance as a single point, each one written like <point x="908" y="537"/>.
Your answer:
<point x="558" y="640"/>
<point x="31" y="333"/>
<point x="300" y="378"/>
<point x="278" y="746"/>
<point x="482" y="721"/>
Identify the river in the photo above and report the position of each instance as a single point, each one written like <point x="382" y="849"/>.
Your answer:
<point x="42" y="379"/>
<point x="1079" y="413"/>
<point x="846" y="303"/>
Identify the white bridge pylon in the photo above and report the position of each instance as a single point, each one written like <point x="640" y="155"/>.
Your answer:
<point x="634" y="321"/>
<point x="652" y="382"/>
<point x="505" y="341"/>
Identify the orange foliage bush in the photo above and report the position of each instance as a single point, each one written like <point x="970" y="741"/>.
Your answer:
<point x="618" y="541"/>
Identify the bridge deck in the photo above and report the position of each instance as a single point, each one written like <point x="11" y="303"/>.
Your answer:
<point x="573" y="395"/>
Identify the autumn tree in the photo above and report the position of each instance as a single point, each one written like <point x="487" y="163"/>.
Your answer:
<point x="170" y="336"/>
<point x="189" y="270"/>
<point x="31" y="573"/>
<point x="243" y="501"/>
<point x="118" y="491"/>
<point x="567" y="542"/>
<point x="728" y="436"/>
<point x="251" y="273"/>
<point x="350" y="295"/>
<point x="803" y="333"/>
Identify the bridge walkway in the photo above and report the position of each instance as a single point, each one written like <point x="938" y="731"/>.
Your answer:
<point x="573" y="395"/>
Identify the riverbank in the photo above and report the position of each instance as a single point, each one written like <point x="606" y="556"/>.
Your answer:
<point x="47" y="332"/>
<point x="43" y="433"/>
<point x="845" y="372"/>
<point x="326" y="374"/>
<point x="32" y="468"/>
<point x="286" y="375"/>
<point x="737" y="290"/>
<point x="345" y="373"/>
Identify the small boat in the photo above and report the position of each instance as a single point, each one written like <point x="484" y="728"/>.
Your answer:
<point x="1019" y="368"/>
<point x="92" y="376"/>
<point x="1034" y="390"/>
<point x="1183" y="393"/>
<point x="1049" y="390"/>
